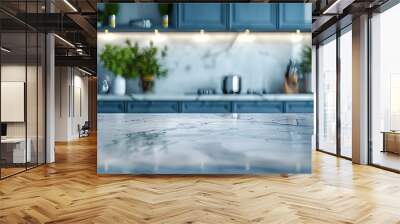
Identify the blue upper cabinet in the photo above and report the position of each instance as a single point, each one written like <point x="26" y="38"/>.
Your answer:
<point x="293" y="16"/>
<point x="208" y="16"/>
<point x="253" y="16"/>
<point x="262" y="17"/>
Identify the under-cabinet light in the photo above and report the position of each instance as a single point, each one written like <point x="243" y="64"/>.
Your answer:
<point x="202" y="37"/>
<point x="158" y="37"/>
<point x="245" y="36"/>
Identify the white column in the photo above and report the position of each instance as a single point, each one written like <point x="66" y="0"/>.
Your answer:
<point x="360" y="90"/>
<point x="50" y="99"/>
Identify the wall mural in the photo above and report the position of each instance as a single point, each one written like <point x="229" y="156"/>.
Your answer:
<point x="176" y="99"/>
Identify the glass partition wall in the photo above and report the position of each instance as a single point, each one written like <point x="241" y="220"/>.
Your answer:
<point x="334" y="94"/>
<point x="22" y="77"/>
<point x="385" y="90"/>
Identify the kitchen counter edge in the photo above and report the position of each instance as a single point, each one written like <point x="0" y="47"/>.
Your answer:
<point x="156" y="97"/>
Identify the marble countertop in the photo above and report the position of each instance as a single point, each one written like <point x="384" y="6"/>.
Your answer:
<point x="218" y="97"/>
<point x="204" y="143"/>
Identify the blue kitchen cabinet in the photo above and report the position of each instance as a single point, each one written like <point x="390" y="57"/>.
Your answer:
<point x="153" y="107"/>
<point x="111" y="106"/>
<point x="206" y="107"/>
<point x="207" y="16"/>
<point x="257" y="107"/>
<point x="253" y="16"/>
<point x="299" y="107"/>
<point x="293" y="16"/>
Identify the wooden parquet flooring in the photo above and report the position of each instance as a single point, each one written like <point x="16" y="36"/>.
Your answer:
<point x="70" y="191"/>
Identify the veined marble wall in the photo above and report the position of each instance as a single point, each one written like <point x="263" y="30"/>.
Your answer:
<point x="200" y="61"/>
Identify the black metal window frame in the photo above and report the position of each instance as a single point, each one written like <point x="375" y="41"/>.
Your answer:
<point x="334" y="37"/>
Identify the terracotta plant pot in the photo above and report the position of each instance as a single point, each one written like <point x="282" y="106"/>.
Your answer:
<point x="147" y="82"/>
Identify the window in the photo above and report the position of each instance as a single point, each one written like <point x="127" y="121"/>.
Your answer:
<point x="385" y="89"/>
<point x="327" y="96"/>
<point x="346" y="93"/>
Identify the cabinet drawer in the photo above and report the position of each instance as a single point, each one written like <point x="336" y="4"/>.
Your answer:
<point x="111" y="107"/>
<point x="299" y="107"/>
<point x="153" y="107"/>
<point x="258" y="107"/>
<point x="206" y="107"/>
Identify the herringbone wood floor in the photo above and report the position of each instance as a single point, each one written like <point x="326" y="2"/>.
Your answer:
<point x="70" y="191"/>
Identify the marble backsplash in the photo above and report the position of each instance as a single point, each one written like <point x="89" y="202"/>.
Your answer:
<point x="200" y="61"/>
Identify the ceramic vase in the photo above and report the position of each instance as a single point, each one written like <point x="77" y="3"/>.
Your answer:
<point x="119" y="86"/>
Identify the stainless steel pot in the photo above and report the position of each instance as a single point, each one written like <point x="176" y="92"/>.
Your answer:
<point x="231" y="84"/>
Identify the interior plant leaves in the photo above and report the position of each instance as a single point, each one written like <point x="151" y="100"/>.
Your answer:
<point x="131" y="61"/>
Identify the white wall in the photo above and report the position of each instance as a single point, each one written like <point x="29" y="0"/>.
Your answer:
<point x="70" y="83"/>
<point x="17" y="73"/>
<point x="33" y="126"/>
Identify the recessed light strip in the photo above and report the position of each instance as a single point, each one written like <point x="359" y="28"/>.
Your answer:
<point x="84" y="71"/>
<point x="5" y="49"/>
<point x="70" y="5"/>
<point x="64" y="40"/>
<point x="337" y="7"/>
<point x="331" y="7"/>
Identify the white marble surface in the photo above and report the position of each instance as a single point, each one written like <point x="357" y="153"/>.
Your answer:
<point x="204" y="143"/>
<point x="218" y="97"/>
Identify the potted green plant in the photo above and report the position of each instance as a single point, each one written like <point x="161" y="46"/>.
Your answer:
<point x="111" y="10"/>
<point x="100" y="18"/>
<point x="122" y="61"/>
<point x="150" y="67"/>
<point x="305" y="67"/>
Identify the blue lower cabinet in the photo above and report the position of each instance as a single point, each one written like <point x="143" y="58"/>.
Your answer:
<point x="295" y="16"/>
<point x="299" y="107"/>
<point x="258" y="107"/>
<point x="111" y="107"/>
<point x="153" y="107"/>
<point x="206" y="107"/>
